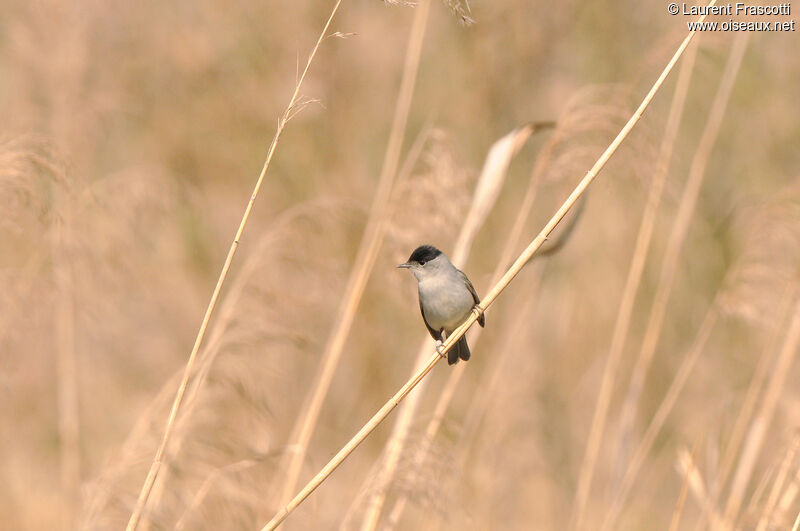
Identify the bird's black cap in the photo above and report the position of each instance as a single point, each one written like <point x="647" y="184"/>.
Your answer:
<point x="424" y="253"/>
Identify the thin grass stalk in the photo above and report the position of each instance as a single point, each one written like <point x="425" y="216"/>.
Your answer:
<point x="777" y="486"/>
<point x="688" y="468"/>
<point x="759" y="426"/>
<point x="68" y="403"/>
<point x="156" y="464"/>
<point x="635" y="271"/>
<point x="757" y="494"/>
<point x="205" y="487"/>
<point x="750" y="401"/>
<point x="789" y="494"/>
<point x="678" y="511"/>
<point x="660" y="417"/>
<point x="365" y="259"/>
<point x="672" y="256"/>
<point x="512" y="272"/>
<point x="486" y="192"/>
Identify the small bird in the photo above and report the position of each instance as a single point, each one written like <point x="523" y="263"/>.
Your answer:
<point x="446" y="297"/>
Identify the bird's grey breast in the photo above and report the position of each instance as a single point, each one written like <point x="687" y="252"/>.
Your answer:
<point x="446" y="301"/>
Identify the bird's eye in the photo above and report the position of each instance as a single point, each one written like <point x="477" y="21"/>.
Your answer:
<point x="422" y="262"/>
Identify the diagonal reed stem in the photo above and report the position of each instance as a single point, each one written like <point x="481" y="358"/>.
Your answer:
<point x="157" y="460"/>
<point x="760" y="425"/>
<point x="512" y="272"/>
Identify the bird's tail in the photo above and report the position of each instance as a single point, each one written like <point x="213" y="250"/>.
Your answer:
<point x="459" y="350"/>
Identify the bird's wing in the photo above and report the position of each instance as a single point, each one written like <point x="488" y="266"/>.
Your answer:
<point x="436" y="334"/>
<point x="471" y="288"/>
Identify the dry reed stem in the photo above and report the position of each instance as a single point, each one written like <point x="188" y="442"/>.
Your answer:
<point x="364" y="261"/>
<point x="759" y="426"/>
<point x="631" y="288"/>
<point x="512" y="272"/>
<point x="68" y="402"/>
<point x="688" y="468"/>
<point x="677" y="238"/>
<point x="678" y="511"/>
<point x="767" y="478"/>
<point x="789" y="495"/>
<point x="753" y="391"/>
<point x="489" y="184"/>
<point x="156" y="464"/>
<point x="662" y="413"/>
<point x="204" y="489"/>
<point x="777" y="486"/>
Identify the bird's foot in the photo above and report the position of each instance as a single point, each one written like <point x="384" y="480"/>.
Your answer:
<point x="440" y="347"/>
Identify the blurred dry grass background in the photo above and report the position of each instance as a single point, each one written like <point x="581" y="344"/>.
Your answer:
<point x="131" y="135"/>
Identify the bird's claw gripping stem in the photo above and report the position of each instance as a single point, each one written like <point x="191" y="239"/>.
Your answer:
<point x="439" y="347"/>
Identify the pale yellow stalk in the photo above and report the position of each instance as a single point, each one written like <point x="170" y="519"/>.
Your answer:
<point x="777" y="485"/>
<point x="68" y="403"/>
<point x="141" y="502"/>
<point x="760" y="425"/>
<point x="664" y="409"/>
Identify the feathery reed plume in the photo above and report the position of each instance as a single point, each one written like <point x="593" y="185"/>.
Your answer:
<point x="156" y="464"/>
<point x="460" y="8"/>
<point x="29" y="166"/>
<point x="489" y="184"/>
<point x="760" y="424"/>
<point x="242" y="369"/>
<point x="771" y="248"/>
<point x="678" y="511"/>
<point x="521" y="261"/>
<point x="364" y="261"/>
<point x="631" y="288"/>
<point x="688" y="469"/>
<point x="418" y="213"/>
<point x="242" y="317"/>
<point x="753" y="283"/>
<point x="677" y="238"/>
<point x="660" y="417"/>
<point x="787" y="498"/>
<point x="767" y="514"/>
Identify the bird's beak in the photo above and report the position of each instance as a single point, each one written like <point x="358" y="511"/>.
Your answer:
<point x="405" y="265"/>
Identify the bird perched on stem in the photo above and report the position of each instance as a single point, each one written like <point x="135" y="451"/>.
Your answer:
<point x="446" y="297"/>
